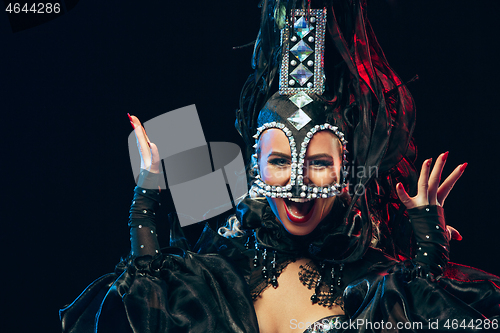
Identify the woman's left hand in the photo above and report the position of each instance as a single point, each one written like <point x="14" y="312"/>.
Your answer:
<point x="429" y="190"/>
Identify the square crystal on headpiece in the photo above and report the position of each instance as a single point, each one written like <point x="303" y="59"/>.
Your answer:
<point x="299" y="119"/>
<point x="309" y="70"/>
<point x="301" y="99"/>
<point x="301" y="50"/>
<point x="301" y="74"/>
<point x="302" y="27"/>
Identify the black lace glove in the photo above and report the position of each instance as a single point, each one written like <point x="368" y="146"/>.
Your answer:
<point x="429" y="227"/>
<point x="142" y="225"/>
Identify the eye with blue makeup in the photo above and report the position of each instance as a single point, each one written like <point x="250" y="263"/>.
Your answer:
<point x="279" y="159"/>
<point x="319" y="161"/>
<point x="319" y="164"/>
<point x="279" y="162"/>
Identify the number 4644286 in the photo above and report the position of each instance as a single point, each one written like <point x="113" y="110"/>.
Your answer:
<point x="35" y="8"/>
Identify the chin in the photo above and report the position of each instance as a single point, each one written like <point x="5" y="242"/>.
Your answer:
<point x="301" y="217"/>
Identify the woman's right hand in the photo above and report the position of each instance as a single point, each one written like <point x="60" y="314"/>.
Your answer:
<point x="150" y="157"/>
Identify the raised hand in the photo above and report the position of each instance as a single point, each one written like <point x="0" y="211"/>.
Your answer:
<point x="150" y="158"/>
<point x="430" y="192"/>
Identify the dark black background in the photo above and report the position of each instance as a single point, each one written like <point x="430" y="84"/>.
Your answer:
<point x="67" y="85"/>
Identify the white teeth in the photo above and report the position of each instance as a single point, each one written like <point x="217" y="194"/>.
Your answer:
<point x="299" y="199"/>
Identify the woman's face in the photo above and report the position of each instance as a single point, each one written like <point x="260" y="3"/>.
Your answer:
<point x="322" y="167"/>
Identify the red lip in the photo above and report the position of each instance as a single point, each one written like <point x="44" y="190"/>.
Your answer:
<point x="296" y="219"/>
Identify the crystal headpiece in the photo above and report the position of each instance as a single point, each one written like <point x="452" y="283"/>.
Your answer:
<point x="303" y="40"/>
<point x="301" y="77"/>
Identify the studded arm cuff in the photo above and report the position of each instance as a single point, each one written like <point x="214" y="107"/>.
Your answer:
<point x="142" y="225"/>
<point x="429" y="228"/>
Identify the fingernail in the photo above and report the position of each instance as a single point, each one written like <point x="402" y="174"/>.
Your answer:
<point x="445" y="156"/>
<point x="131" y="121"/>
<point x="429" y="162"/>
<point x="463" y="166"/>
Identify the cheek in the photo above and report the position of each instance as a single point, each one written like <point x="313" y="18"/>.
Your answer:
<point x="277" y="206"/>
<point x="323" y="177"/>
<point x="274" y="175"/>
<point x="272" y="204"/>
<point x="325" y="207"/>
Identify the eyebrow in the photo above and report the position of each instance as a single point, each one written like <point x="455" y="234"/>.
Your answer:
<point x="279" y="154"/>
<point x="318" y="156"/>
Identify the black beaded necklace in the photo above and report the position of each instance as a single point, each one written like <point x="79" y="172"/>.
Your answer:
<point x="271" y="248"/>
<point x="326" y="280"/>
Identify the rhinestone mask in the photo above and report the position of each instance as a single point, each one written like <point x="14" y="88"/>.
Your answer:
<point x="299" y="126"/>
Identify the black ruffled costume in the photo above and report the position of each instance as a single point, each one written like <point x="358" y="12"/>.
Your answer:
<point x="210" y="287"/>
<point x="207" y="289"/>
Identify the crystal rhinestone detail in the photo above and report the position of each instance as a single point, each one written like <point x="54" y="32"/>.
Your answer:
<point x="296" y="186"/>
<point x="304" y="144"/>
<point x="291" y="36"/>
<point x="301" y="99"/>
<point x="299" y="119"/>
<point x="301" y="50"/>
<point x="301" y="74"/>
<point x="302" y="27"/>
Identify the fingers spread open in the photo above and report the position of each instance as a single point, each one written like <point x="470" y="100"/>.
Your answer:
<point x="423" y="183"/>
<point x="155" y="159"/>
<point x="429" y="190"/>
<point x="403" y="196"/>
<point x="140" y="133"/>
<point x="449" y="182"/>
<point x="142" y="143"/>
<point x="435" y="178"/>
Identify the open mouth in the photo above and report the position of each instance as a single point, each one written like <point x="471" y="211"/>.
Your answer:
<point x="299" y="210"/>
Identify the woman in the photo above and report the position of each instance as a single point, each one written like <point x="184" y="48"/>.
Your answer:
<point x="322" y="243"/>
<point x="301" y="215"/>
